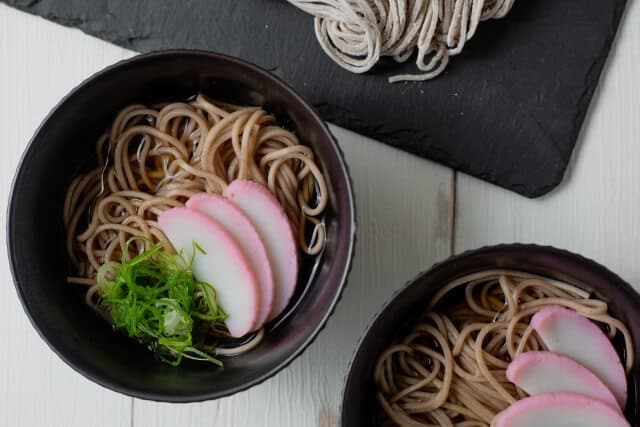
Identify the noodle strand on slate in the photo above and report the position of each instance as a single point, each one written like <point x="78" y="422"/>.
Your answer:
<point x="450" y="369"/>
<point x="357" y="33"/>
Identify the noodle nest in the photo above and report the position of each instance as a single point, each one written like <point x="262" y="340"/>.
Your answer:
<point x="357" y="33"/>
<point x="450" y="369"/>
<point x="155" y="158"/>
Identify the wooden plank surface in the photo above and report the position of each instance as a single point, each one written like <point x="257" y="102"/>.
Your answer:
<point x="404" y="226"/>
<point x="403" y="210"/>
<point x="39" y="63"/>
<point x="597" y="211"/>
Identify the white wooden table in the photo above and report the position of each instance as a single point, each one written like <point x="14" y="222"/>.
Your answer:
<point x="596" y="212"/>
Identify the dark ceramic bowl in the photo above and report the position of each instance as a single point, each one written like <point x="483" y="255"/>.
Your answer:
<point x="359" y="407"/>
<point x="63" y="146"/>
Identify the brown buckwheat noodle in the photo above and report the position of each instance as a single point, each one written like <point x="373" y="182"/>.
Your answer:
<point x="357" y="33"/>
<point x="155" y="158"/>
<point x="450" y="370"/>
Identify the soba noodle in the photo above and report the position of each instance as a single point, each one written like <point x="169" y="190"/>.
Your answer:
<point x="357" y="33"/>
<point x="450" y="370"/>
<point x="155" y="158"/>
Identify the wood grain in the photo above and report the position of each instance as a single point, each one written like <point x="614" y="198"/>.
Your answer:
<point x="403" y="210"/>
<point x="39" y="63"/>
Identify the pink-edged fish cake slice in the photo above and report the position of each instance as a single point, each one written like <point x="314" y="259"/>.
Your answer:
<point x="270" y="219"/>
<point x="566" y="332"/>
<point x="223" y="264"/>
<point x="539" y="372"/>
<point x="559" y="410"/>
<point x="245" y="234"/>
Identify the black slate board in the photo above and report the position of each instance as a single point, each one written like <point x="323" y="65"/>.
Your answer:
<point x="508" y="110"/>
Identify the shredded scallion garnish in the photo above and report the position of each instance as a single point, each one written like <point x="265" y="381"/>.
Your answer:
<point x="155" y="299"/>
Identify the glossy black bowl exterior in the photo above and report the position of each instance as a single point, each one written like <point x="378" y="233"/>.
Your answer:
<point x="359" y="407"/>
<point x="64" y="146"/>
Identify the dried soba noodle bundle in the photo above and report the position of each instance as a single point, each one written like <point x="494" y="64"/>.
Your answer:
<point x="153" y="159"/>
<point x="450" y="370"/>
<point x="357" y="33"/>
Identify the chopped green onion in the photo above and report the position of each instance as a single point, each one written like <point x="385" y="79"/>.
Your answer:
<point x="155" y="299"/>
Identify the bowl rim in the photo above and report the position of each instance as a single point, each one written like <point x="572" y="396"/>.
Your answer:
<point x="520" y="248"/>
<point x="283" y="87"/>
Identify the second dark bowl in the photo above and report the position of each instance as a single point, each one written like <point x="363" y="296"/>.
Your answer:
<point x="63" y="147"/>
<point x="359" y="406"/>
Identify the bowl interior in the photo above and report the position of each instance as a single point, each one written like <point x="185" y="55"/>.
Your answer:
<point x="359" y="406"/>
<point x="64" y="146"/>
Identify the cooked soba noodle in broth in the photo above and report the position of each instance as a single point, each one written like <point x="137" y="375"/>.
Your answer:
<point x="154" y="158"/>
<point x="450" y="369"/>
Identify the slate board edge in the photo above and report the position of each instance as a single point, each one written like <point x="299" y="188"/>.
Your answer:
<point x="584" y="103"/>
<point x="595" y="74"/>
